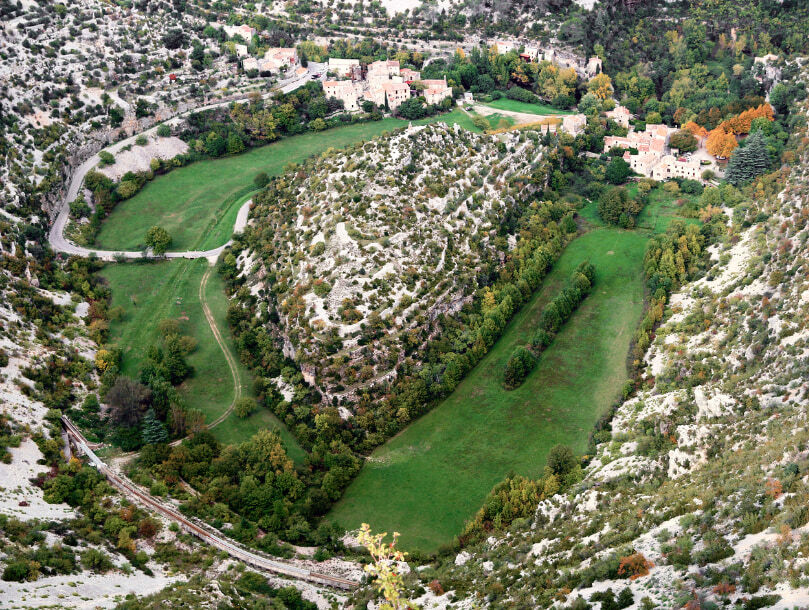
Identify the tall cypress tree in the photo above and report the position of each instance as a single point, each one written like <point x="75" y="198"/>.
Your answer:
<point x="153" y="430"/>
<point x="748" y="161"/>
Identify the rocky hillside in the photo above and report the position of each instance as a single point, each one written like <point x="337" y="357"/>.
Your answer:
<point x="697" y="496"/>
<point x="357" y="253"/>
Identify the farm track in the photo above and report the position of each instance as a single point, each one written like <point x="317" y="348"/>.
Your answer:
<point x="232" y="364"/>
<point x="205" y="533"/>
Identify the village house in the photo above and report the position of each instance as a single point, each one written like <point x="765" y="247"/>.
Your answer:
<point x="505" y="46"/>
<point x="593" y="67"/>
<point x="677" y="167"/>
<point x="241" y="50"/>
<point x="408" y="75"/>
<point x="574" y="124"/>
<point x="376" y="95"/>
<point x="388" y="68"/>
<point x="343" y="67"/>
<point x="395" y="94"/>
<point x="436" y="90"/>
<point x="245" y="31"/>
<point x="530" y="53"/>
<point x="343" y="90"/>
<point x="250" y="63"/>
<point x="620" y="115"/>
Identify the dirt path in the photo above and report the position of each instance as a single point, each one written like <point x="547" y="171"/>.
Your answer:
<point x="234" y="370"/>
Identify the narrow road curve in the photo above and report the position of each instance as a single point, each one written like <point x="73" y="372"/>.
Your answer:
<point x="202" y="531"/>
<point x="232" y="364"/>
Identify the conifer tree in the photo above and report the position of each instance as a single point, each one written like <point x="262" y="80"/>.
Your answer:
<point x="153" y="430"/>
<point x="749" y="161"/>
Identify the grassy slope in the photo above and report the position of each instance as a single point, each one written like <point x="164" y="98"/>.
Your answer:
<point x="197" y="204"/>
<point x="428" y="480"/>
<point x="151" y="293"/>
<point x="515" y="106"/>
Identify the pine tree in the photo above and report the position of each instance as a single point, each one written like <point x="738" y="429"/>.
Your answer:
<point x="153" y="430"/>
<point x="749" y="161"/>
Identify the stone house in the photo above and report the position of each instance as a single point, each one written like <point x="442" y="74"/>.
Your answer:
<point x="343" y="67"/>
<point x="395" y="94"/>
<point x="620" y="115"/>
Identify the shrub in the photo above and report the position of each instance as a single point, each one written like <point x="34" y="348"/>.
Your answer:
<point x="244" y="407"/>
<point x="141" y="140"/>
<point x="634" y="566"/>
<point x="163" y="130"/>
<point x="95" y="560"/>
<point x="261" y="180"/>
<point x="106" y="158"/>
<point x="16" y="571"/>
<point x="521" y="95"/>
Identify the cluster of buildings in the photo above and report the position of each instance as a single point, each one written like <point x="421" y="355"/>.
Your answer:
<point x="653" y="158"/>
<point x="563" y="59"/>
<point x="275" y="61"/>
<point x="381" y="82"/>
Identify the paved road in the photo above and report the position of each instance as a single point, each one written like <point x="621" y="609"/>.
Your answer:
<point x="202" y="531"/>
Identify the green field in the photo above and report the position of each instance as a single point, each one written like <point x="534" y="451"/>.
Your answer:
<point x="515" y="106"/>
<point x="197" y="204"/>
<point x="433" y="476"/>
<point x="153" y="292"/>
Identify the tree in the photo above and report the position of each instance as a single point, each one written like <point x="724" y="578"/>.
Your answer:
<point x="235" y="144"/>
<point x="588" y="103"/>
<point x="518" y="366"/>
<point x="153" y="430"/>
<point x="683" y="140"/>
<point x="561" y="460"/>
<point x="618" y="171"/>
<point x="601" y="86"/>
<point x="244" y="407"/>
<point x="215" y="144"/>
<point x="158" y="239"/>
<point x="174" y="39"/>
<point x="720" y="143"/>
<point x="748" y="161"/>
<point x="127" y="401"/>
<point x="616" y="207"/>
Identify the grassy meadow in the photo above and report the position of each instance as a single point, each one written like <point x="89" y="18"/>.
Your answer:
<point x="153" y="292"/>
<point x="429" y="479"/>
<point x="516" y="106"/>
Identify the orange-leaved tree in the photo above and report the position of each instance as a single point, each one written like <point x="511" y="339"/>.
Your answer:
<point x="720" y="143"/>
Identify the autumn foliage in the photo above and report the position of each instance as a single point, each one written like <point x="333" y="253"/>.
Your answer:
<point x="634" y="566"/>
<point x="698" y="131"/>
<point x="720" y="143"/>
<point x="740" y="124"/>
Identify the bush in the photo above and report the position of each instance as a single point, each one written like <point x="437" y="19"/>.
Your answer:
<point x="261" y="180"/>
<point x="691" y="187"/>
<point x="106" y="158"/>
<point x="141" y="140"/>
<point x="521" y="95"/>
<point x="244" y="407"/>
<point x="95" y="560"/>
<point x="163" y="130"/>
<point x="16" y="571"/>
